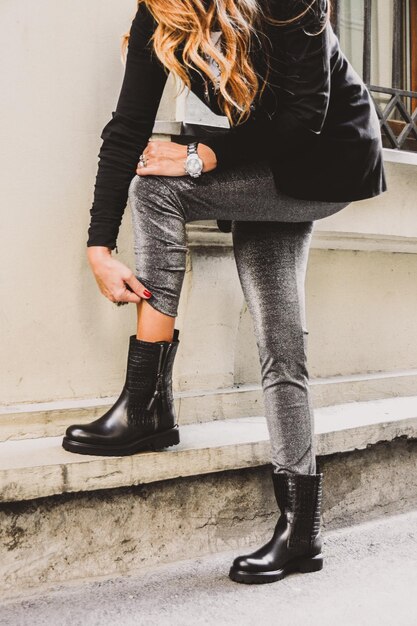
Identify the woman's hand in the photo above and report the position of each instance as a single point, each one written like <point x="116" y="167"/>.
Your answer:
<point x="166" y="158"/>
<point x="112" y="275"/>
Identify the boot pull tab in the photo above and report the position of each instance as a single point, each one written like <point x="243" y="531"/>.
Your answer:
<point x="152" y="401"/>
<point x="156" y="393"/>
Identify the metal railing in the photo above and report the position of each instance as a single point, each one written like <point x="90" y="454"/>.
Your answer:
<point x="395" y="105"/>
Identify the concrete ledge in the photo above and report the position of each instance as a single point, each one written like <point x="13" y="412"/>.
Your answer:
<point x="50" y="419"/>
<point x="400" y="156"/>
<point x="36" y="468"/>
<point x="207" y="235"/>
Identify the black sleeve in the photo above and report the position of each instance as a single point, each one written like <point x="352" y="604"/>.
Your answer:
<point x="125" y="136"/>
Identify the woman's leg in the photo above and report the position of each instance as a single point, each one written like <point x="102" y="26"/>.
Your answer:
<point x="153" y="325"/>
<point x="162" y="205"/>
<point x="271" y="260"/>
<point x="160" y="251"/>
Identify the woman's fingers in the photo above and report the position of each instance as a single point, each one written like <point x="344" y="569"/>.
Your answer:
<point x="116" y="281"/>
<point x="163" y="158"/>
<point x="137" y="287"/>
<point x="165" y="149"/>
<point x="163" y="167"/>
<point x="127" y="296"/>
<point x="167" y="158"/>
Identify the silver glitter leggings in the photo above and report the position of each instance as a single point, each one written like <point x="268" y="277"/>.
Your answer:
<point x="271" y="247"/>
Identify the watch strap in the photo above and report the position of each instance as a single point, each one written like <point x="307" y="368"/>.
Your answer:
<point x="192" y="148"/>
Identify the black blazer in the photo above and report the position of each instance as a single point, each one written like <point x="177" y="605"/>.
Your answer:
<point x="315" y="122"/>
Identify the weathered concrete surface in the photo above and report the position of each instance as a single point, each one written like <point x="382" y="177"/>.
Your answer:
<point x="369" y="577"/>
<point x="113" y="532"/>
<point x="41" y="467"/>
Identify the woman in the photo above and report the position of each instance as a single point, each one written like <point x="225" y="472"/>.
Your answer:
<point x="304" y="141"/>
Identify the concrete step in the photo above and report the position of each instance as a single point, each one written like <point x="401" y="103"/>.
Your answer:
<point x="50" y="419"/>
<point x="369" y="577"/>
<point x="179" y="503"/>
<point x="40" y="467"/>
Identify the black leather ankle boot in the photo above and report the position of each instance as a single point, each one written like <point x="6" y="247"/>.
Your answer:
<point x="143" y="417"/>
<point x="296" y="543"/>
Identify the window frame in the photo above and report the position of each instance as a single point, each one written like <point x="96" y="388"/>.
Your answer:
<point x="413" y="44"/>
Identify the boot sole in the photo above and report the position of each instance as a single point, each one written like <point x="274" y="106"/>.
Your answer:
<point x="302" y="564"/>
<point x="152" y="442"/>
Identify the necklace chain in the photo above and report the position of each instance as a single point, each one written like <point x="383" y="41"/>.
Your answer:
<point x="216" y="85"/>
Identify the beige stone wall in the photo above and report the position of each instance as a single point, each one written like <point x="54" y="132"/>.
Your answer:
<point x="60" y="338"/>
<point x="61" y="68"/>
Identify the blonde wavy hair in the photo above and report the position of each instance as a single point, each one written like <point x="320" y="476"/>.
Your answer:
<point x="190" y="22"/>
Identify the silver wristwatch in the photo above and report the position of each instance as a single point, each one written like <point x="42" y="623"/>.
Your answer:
<point x="193" y="164"/>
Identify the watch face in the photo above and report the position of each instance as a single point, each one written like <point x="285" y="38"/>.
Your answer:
<point x="194" y="164"/>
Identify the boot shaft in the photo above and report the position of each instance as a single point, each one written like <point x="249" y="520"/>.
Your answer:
<point x="280" y="482"/>
<point x="299" y="498"/>
<point x="145" y="361"/>
<point x="304" y="508"/>
<point x="149" y="381"/>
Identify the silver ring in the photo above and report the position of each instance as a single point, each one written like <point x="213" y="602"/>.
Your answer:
<point x="142" y="161"/>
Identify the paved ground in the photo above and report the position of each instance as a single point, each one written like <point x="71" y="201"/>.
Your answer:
<point x="369" y="578"/>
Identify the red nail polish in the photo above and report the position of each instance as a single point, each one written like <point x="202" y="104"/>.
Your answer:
<point x="147" y="293"/>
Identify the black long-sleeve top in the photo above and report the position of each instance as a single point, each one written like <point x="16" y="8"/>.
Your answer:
<point x="315" y="122"/>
